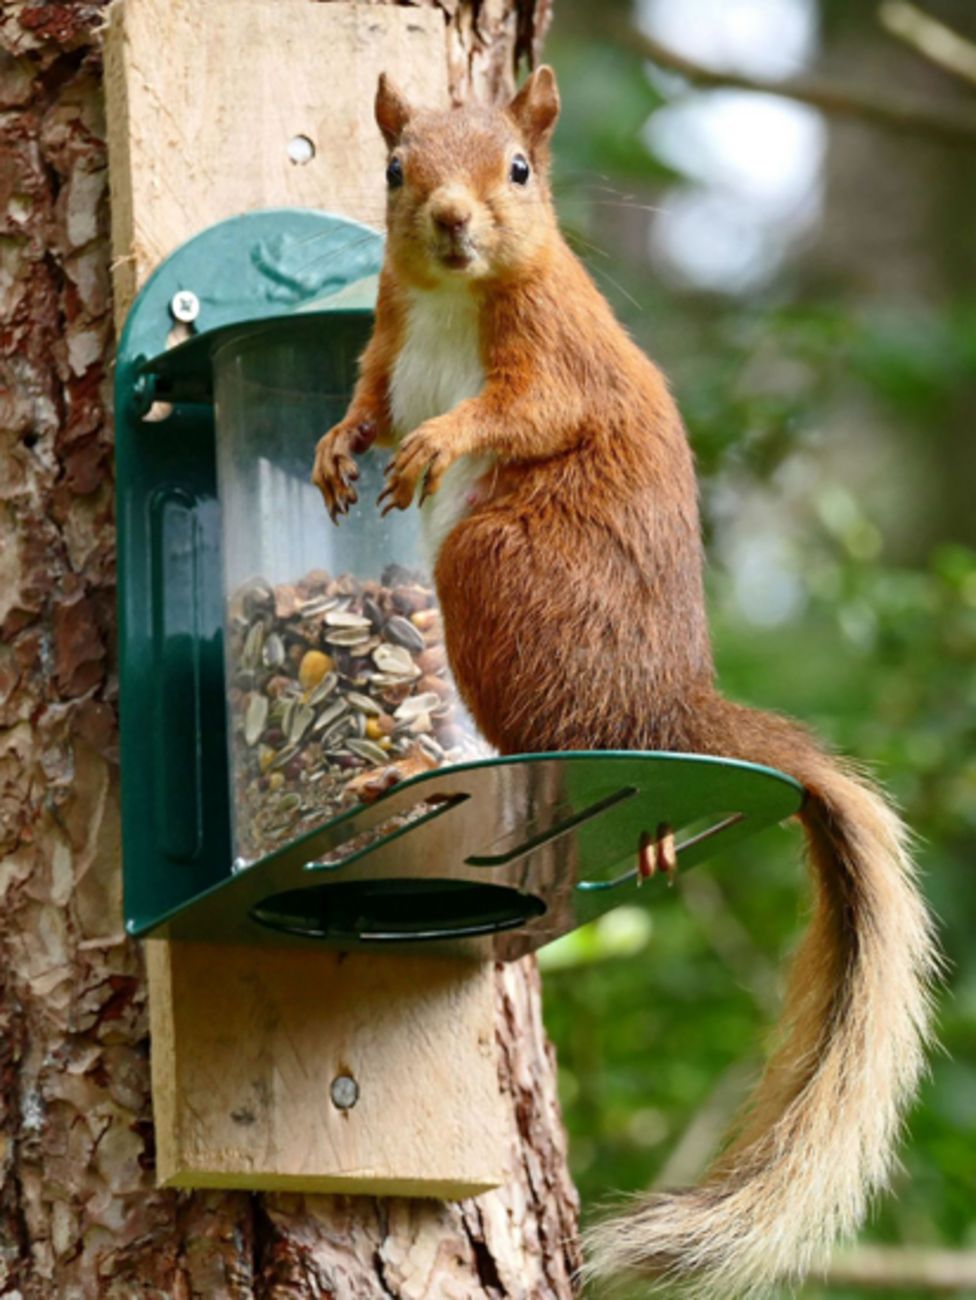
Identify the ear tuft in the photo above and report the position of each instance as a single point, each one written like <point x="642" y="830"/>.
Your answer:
<point x="392" y="111"/>
<point x="536" y="106"/>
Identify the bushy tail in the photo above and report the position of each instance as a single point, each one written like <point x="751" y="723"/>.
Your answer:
<point x="818" y="1137"/>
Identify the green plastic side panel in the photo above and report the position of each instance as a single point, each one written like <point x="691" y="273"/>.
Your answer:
<point x="176" y="831"/>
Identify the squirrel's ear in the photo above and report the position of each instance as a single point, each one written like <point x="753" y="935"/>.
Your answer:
<point x="536" y="106"/>
<point x="392" y="111"/>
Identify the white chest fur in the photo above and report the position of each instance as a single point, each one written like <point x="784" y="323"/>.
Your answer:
<point x="438" y="366"/>
<point x="439" y="363"/>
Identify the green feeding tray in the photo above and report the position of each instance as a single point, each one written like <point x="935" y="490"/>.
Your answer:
<point x="491" y="858"/>
<point x="254" y="634"/>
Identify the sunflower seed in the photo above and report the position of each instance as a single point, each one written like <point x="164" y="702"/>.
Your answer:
<point x="367" y="749"/>
<point x="253" y="642"/>
<point x="346" y="618"/>
<point x="285" y="757"/>
<point x="335" y="733"/>
<point x="348" y="636"/>
<point x="331" y="713"/>
<point x="364" y="704"/>
<point x="301" y="719"/>
<point x="324" y="689"/>
<point x="396" y="660"/>
<point x="273" y="654"/>
<point x="388" y="681"/>
<point x="287" y="712"/>
<point x="321" y="605"/>
<point x="255" y="718"/>
<point x="414" y="706"/>
<point x="373" y="612"/>
<point x="403" y="632"/>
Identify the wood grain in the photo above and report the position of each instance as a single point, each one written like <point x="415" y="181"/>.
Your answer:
<point x="204" y="99"/>
<point x="242" y="1077"/>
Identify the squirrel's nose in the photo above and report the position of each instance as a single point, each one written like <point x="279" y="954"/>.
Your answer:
<point x="451" y="220"/>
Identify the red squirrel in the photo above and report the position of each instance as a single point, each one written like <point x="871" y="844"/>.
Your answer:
<point x="561" y="499"/>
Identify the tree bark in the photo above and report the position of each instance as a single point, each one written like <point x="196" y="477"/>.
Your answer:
<point x="79" y="1213"/>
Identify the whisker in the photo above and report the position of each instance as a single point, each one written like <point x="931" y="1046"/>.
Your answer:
<point x="574" y="236"/>
<point x="583" y="176"/>
<point x="635" y="207"/>
<point x="602" y="274"/>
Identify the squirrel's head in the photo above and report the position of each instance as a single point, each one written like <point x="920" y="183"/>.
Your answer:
<point x="468" y="188"/>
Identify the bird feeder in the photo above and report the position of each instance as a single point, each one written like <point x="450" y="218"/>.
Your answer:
<point x="279" y="673"/>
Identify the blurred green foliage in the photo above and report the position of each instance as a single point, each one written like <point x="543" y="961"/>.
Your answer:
<point x="837" y="425"/>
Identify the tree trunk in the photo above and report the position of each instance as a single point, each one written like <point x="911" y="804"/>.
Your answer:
<point x="79" y="1213"/>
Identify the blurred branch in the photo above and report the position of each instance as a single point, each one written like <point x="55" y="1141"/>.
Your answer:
<point x="728" y="938"/>
<point x="834" y="100"/>
<point x="706" y="1128"/>
<point x="896" y="1268"/>
<point x="930" y="38"/>
<point x="704" y="898"/>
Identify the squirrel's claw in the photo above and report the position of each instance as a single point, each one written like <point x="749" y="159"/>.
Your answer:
<point x="367" y="787"/>
<point x="401" y="480"/>
<point x="389" y="495"/>
<point x="436" y="469"/>
<point x="424" y="458"/>
<point x="335" y="469"/>
<point x="339" y="508"/>
<point x="657" y="853"/>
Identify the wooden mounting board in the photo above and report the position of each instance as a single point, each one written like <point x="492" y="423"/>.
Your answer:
<point x="242" y="1075"/>
<point x="203" y="98"/>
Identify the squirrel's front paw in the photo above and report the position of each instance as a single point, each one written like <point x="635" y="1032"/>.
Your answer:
<point x="426" y="453"/>
<point x="335" y="470"/>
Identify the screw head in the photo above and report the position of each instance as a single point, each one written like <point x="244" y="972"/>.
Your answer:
<point x="184" y="306"/>
<point x="344" y="1092"/>
<point x="143" y="394"/>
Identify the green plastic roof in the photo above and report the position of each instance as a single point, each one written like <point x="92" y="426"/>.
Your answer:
<point x="281" y="264"/>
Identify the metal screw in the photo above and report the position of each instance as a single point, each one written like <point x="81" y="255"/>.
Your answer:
<point x="344" y="1092"/>
<point x="184" y="306"/>
<point x="143" y="394"/>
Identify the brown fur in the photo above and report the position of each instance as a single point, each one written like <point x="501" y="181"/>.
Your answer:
<point x="574" y="618"/>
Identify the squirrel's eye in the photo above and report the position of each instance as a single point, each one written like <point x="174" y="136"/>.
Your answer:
<point x="394" y="173"/>
<point x="519" y="171"/>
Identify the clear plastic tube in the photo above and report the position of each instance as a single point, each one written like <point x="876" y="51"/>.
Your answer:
<point x="338" y="684"/>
